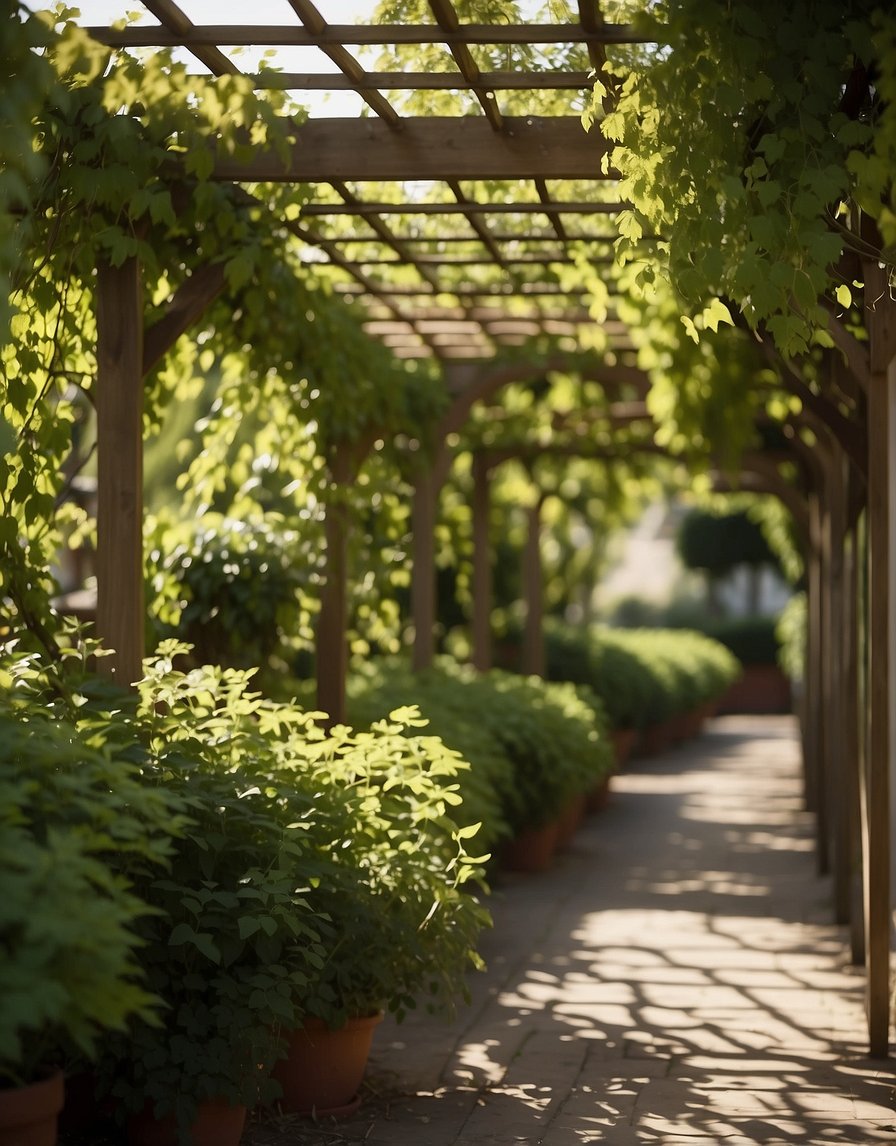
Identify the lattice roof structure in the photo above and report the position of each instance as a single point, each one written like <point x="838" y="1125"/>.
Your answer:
<point x="455" y="231"/>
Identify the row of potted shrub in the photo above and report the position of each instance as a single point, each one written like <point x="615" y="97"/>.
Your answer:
<point x="656" y="683"/>
<point x="196" y="873"/>
<point x="536" y="749"/>
<point x="191" y="874"/>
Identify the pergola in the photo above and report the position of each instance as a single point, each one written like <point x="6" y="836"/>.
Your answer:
<point x="452" y="233"/>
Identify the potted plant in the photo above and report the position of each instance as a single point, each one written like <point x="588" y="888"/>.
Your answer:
<point x="73" y="810"/>
<point x="400" y="898"/>
<point x="232" y="942"/>
<point x="230" y="950"/>
<point x="297" y="840"/>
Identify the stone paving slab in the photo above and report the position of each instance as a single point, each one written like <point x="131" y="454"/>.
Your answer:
<point x="674" y="979"/>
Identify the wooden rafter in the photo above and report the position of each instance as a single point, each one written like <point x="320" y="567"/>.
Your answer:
<point x="369" y="35"/>
<point x="435" y="148"/>
<point x="551" y="168"/>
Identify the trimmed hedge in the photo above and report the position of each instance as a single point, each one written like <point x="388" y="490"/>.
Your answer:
<point x="753" y="640"/>
<point x="641" y="676"/>
<point x="531" y="744"/>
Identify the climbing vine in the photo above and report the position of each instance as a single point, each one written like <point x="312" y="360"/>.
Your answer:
<point x="753" y="139"/>
<point x="117" y="160"/>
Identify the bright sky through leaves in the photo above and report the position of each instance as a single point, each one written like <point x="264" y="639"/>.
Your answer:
<point x="263" y="12"/>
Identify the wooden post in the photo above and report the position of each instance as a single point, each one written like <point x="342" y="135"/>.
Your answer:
<point x="423" y="573"/>
<point x="533" y="593"/>
<point x="482" y="567"/>
<point x="331" y="639"/>
<point x="120" y="611"/>
<point x="876" y="826"/>
<point x="837" y="766"/>
<point x="853" y="740"/>
<point x="815" y="787"/>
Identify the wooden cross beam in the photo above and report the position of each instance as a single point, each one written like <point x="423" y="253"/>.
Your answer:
<point x="447" y="147"/>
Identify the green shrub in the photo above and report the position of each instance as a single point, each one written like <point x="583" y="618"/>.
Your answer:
<point x="321" y="874"/>
<point x="531" y="744"/>
<point x="638" y="676"/>
<point x="227" y="868"/>
<point x="230" y="947"/>
<point x="753" y="640"/>
<point x="719" y="542"/>
<point x="684" y="668"/>
<point x="457" y="714"/>
<point x="615" y="675"/>
<point x="237" y="591"/>
<point x="77" y="823"/>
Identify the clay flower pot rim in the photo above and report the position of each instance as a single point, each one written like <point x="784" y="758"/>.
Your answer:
<point x="314" y="1022"/>
<point x="35" y="1103"/>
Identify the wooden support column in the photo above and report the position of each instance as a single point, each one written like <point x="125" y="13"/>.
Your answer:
<point x="120" y="612"/>
<point x="837" y="766"/>
<point x="533" y="593"/>
<point x="482" y="567"/>
<point x="815" y="792"/>
<point x="853" y="738"/>
<point x="876" y="825"/>
<point x="423" y="573"/>
<point x="331" y="638"/>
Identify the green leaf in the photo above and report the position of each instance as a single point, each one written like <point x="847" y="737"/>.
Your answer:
<point x="248" y="925"/>
<point x="715" y="313"/>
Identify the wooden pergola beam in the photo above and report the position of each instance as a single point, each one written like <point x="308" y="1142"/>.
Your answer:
<point x="379" y="35"/>
<point x="438" y="147"/>
<point x="557" y="207"/>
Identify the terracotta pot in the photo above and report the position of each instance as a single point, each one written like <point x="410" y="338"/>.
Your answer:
<point x="693" y="723"/>
<point x="678" y="728"/>
<point x="84" y="1111"/>
<point x="217" y="1123"/>
<point x="531" y="849"/>
<point x="29" y="1114"/>
<point x="623" y="743"/>
<point x="323" y="1069"/>
<point x="570" y="820"/>
<point x="656" y="738"/>
<point x="599" y="796"/>
<point x="760" y="688"/>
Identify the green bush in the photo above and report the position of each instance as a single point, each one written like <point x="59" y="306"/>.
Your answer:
<point x="457" y="714"/>
<point x="531" y="744"/>
<point x="237" y="591"/>
<point x="753" y="640"/>
<point x="615" y="675"/>
<point x="77" y="823"/>
<point x="685" y="669"/>
<point x="719" y="542"/>
<point x="211" y="867"/>
<point x="639" y="676"/>
<point x="321" y="874"/>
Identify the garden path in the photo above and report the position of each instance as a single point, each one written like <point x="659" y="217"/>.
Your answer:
<point x="675" y="978"/>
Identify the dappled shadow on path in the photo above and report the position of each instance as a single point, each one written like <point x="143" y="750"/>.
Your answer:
<point x="674" y="979"/>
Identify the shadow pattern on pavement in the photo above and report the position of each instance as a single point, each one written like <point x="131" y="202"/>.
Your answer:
<point x="674" y="979"/>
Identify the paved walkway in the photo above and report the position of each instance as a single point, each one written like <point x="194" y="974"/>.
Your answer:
<point x="674" y="979"/>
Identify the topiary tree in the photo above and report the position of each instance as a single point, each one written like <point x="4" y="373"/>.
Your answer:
<point x="718" y="543"/>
